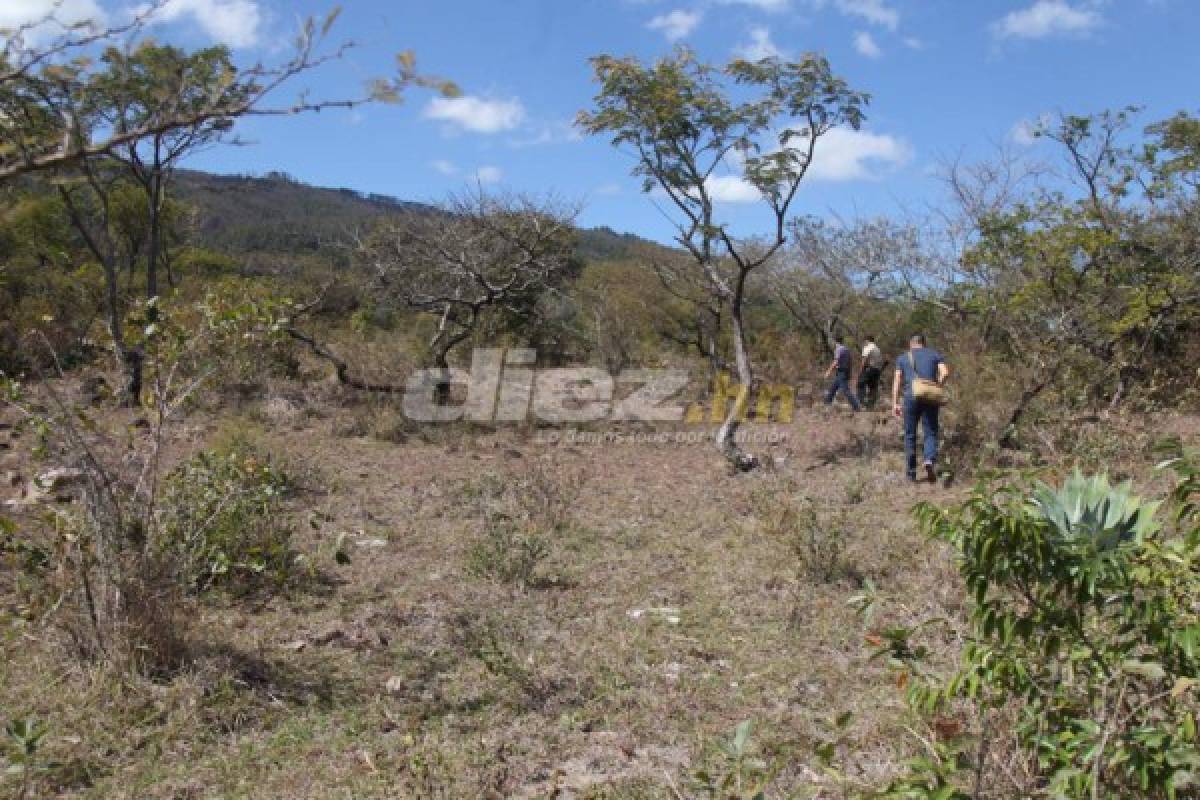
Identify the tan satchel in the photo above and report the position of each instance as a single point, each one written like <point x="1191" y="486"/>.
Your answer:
<point x="927" y="391"/>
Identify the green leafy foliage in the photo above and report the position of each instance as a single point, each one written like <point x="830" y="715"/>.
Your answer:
<point x="1084" y="626"/>
<point x="221" y="519"/>
<point x="509" y="550"/>
<point x="24" y="738"/>
<point x="739" y="773"/>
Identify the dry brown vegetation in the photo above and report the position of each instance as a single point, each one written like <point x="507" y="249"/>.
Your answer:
<point x="521" y="619"/>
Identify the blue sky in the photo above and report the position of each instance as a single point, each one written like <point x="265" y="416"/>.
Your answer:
<point x="948" y="78"/>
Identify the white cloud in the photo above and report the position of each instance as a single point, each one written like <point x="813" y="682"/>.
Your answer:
<point x="865" y="44"/>
<point x="842" y="154"/>
<point x="236" y="23"/>
<point x="607" y="189"/>
<point x="875" y="12"/>
<point x="1049" y="18"/>
<point x="913" y="43"/>
<point x="760" y="46"/>
<point x="489" y="174"/>
<point x="772" y="6"/>
<point x="675" y="25"/>
<point x="732" y="189"/>
<point x="1025" y="131"/>
<point x="845" y="154"/>
<point x="15" y="13"/>
<point x="484" y="174"/>
<point x="556" y="132"/>
<point x="477" y="114"/>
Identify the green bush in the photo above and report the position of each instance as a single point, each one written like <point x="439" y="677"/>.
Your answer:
<point x="815" y="540"/>
<point x="221" y="522"/>
<point x="521" y="516"/>
<point x="508" y="551"/>
<point x="1084" y="631"/>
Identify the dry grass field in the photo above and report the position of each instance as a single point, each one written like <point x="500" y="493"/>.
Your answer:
<point x="515" y="617"/>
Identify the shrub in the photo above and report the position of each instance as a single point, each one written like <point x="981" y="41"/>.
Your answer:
<point x="111" y="567"/>
<point x="734" y="771"/>
<point x="502" y="650"/>
<point x="508" y="551"/>
<point x="1084" y="631"/>
<point x="220" y="519"/>
<point x="519" y="515"/>
<point x="818" y="543"/>
<point x="816" y="540"/>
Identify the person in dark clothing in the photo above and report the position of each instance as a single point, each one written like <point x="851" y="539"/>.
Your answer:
<point x="868" y="376"/>
<point x="926" y="363"/>
<point x="839" y="370"/>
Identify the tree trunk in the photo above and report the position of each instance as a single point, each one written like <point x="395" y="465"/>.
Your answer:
<point x="441" y="361"/>
<point x="132" y="362"/>
<point x="727" y="433"/>
<point x="155" y="240"/>
<point x="1119" y="394"/>
<point x="444" y="341"/>
<point x="1008" y="434"/>
<point x="710" y="335"/>
<point x="129" y="359"/>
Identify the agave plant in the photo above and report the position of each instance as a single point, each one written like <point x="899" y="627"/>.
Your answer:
<point x="1089" y="510"/>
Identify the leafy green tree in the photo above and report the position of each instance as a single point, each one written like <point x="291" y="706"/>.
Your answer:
<point x="118" y="203"/>
<point x="1087" y="287"/>
<point x="47" y="91"/>
<point x="685" y="127"/>
<point x="139" y="84"/>
<point x="123" y="124"/>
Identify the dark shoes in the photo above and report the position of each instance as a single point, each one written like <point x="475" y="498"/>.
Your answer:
<point x="930" y="474"/>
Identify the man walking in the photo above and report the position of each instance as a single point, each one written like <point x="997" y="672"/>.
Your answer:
<point x="920" y="363"/>
<point x="868" y="376"/>
<point x="839" y="370"/>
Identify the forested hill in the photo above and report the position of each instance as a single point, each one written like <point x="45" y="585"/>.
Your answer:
<point x="275" y="215"/>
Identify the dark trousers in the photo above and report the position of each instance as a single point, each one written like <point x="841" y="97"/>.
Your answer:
<point x="868" y="386"/>
<point x="927" y="416"/>
<point x="841" y="383"/>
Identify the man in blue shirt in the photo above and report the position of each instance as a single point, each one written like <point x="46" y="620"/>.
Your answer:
<point x="919" y="362"/>
<point x="839" y="369"/>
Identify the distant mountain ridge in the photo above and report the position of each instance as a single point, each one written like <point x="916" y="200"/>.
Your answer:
<point x="274" y="214"/>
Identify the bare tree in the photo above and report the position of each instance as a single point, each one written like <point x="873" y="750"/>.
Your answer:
<point x="477" y="253"/>
<point x="832" y="273"/>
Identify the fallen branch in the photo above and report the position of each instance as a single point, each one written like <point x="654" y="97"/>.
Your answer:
<point x="341" y="367"/>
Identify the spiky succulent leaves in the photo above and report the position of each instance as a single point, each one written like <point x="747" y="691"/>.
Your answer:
<point x="1089" y="512"/>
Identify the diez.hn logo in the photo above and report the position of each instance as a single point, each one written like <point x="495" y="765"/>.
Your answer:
<point x="504" y="386"/>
